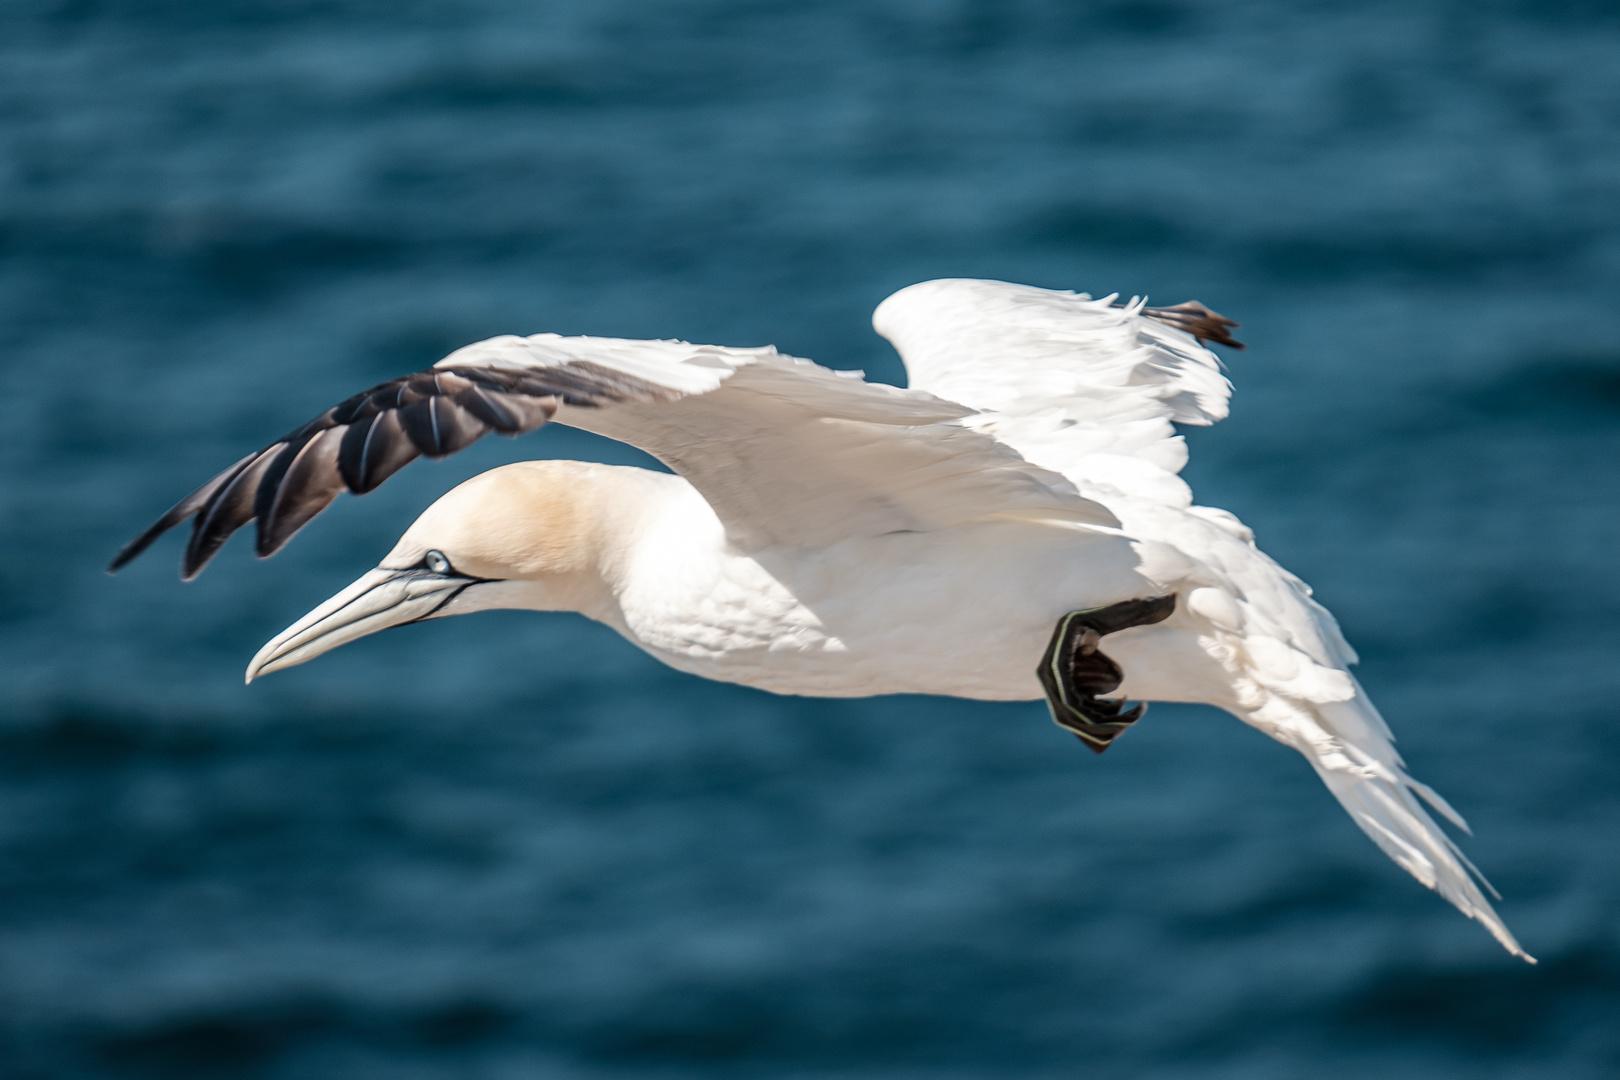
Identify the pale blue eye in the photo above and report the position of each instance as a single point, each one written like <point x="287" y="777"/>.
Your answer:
<point x="436" y="562"/>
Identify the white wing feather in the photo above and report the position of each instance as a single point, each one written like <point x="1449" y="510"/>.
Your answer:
<point x="1075" y="384"/>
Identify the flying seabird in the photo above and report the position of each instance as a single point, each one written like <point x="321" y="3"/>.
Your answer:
<point x="981" y="534"/>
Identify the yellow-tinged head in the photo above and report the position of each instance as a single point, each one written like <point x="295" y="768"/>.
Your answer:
<point x="543" y="535"/>
<point x="530" y="520"/>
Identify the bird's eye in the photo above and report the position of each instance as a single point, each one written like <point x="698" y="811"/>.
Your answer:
<point x="436" y="562"/>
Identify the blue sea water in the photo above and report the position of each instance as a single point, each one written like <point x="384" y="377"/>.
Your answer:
<point x="512" y="846"/>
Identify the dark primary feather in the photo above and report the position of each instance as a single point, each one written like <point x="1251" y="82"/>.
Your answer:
<point x="1199" y="321"/>
<point x="358" y="444"/>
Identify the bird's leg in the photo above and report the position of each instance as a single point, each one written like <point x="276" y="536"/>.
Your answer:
<point x="1075" y="674"/>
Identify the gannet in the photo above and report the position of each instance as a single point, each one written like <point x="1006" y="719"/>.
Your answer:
<point x="980" y="534"/>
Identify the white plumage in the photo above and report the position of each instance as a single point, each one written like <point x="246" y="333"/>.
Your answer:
<point x="828" y="536"/>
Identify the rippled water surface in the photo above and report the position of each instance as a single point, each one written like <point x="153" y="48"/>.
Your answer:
<point x="512" y="846"/>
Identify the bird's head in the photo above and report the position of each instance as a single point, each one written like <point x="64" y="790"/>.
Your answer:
<point x="531" y="535"/>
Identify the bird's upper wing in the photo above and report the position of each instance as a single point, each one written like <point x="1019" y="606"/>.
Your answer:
<point x="1076" y="385"/>
<point x="786" y="451"/>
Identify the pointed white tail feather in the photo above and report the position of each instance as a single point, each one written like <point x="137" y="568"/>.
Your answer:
<point x="1446" y="810"/>
<point x="1348" y="744"/>
<point x="1380" y="800"/>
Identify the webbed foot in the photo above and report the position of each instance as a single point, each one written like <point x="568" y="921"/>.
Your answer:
<point x="1075" y="674"/>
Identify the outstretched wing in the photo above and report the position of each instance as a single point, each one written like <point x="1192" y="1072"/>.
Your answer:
<point x="1080" y="386"/>
<point x="785" y="450"/>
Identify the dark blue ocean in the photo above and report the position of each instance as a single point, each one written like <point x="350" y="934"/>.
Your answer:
<point x="511" y="846"/>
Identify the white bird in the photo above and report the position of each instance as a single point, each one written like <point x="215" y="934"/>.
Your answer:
<point x="975" y="535"/>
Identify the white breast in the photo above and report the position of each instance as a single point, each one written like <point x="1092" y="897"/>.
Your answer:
<point x="965" y="611"/>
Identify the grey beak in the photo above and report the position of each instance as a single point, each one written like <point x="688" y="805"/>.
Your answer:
<point x="380" y="599"/>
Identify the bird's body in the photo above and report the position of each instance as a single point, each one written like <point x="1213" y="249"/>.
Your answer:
<point x="959" y="612"/>
<point x="830" y="537"/>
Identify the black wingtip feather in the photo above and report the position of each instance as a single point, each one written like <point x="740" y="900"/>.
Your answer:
<point x="177" y="513"/>
<point x="132" y="550"/>
<point x="439" y="427"/>
<point x="307" y="486"/>
<point x="226" y="511"/>
<point x="379" y="450"/>
<point x="1199" y="321"/>
<point x="358" y="444"/>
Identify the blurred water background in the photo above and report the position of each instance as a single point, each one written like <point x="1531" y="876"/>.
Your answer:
<point x="512" y="846"/>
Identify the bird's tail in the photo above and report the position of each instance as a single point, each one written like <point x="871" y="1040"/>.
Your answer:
<point x="1349" y="745"/>
<point x="1289" y="671"/>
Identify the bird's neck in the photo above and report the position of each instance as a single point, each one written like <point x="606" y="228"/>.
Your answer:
<point x="611" y="516"/>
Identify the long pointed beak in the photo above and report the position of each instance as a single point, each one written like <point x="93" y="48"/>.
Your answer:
<point x="380" y="599"/>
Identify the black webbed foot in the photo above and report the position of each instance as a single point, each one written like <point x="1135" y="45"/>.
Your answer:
<point x="1075" y="675"/>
